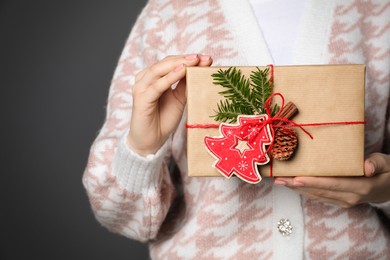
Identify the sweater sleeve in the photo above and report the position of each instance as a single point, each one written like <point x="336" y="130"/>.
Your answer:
<point x="386" y="144"/>
<point x="129" y="194"/>
<point x="385" y="207"/>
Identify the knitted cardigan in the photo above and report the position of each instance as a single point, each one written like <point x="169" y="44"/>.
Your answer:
<point x="216" y="218"/>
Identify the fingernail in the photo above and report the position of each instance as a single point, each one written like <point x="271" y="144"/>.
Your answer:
<point x="179" y="67"/>
<point x="205" y="57"/>
<point x="371" y="167"/>
<point x="280" y="183"/>
<point x="191" y="57"/>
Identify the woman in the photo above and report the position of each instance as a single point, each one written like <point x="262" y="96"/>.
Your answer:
<point x="127" y="177"/>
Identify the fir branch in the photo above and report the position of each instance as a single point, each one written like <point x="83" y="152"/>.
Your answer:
<point x="243" y="96"/>
<point x="229" y="111"/>
<point x="275" y="109"/>
<point x="261" y="87"/>
<point x="237" y="87"/>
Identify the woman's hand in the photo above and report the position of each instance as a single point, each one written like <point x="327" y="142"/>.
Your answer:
<point x="346" y="192"/>
<point x="157" y="108"/>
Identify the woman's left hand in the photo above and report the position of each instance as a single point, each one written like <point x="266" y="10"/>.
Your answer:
<point x="347" y="192"/>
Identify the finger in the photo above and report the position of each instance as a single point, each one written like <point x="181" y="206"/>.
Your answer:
<point x="155" y="90"/>
<point x="172" y="104"/>
<point x="345" y="184"/>
<point x="348" y="199"/>
<point x="180" y="92"/>
<point x="376" y="163"/>
<point x="311" y="196"/>
<point x="141" y="73"/>
<point x="163" y="84"/>
<point x="205" y="60"/>
<point x="174" y="100"/>
<point x="163" y="67"/>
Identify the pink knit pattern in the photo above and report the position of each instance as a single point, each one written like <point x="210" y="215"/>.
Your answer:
<point x="116" y="208"/>
<point x="358" y="32"/>
<point x="229" y="219"/>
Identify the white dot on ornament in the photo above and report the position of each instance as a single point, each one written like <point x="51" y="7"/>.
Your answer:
<point x="244" y="157"/>
<point x="244" y="122"/>
<point x="263" y="137"/>
<point x="242" y="132"/>
<point x="254" y="143"/>
<point x="223" y="143"/>
<point x="226" y="158"/>
<point x="212" y="143"/>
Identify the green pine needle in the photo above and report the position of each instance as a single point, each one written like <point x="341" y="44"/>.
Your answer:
<point x="229" y="111"/>
<point x="243" y="96"/>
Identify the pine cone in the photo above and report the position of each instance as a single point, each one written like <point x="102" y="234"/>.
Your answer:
<point x="286" y="140"/>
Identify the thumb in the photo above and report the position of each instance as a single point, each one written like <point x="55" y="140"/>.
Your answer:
<point x="376" y="163"/>
<point x="180" y="91"/>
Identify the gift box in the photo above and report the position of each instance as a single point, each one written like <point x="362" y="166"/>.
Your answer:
<point x="330" y="98"/>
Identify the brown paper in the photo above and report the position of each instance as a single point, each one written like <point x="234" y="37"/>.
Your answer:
<point x="322" y="93"/>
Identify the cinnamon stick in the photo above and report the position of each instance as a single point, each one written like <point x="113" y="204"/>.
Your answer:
<point x="289" y="110"/>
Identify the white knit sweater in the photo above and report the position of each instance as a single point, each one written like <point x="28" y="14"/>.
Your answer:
<point x="229" y="219"/>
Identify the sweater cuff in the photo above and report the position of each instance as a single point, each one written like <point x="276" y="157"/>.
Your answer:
<point x="385" y="207"/>
<point x="137" y="173"/>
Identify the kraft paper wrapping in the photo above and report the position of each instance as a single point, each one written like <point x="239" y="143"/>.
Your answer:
<point x="322" y="93"/>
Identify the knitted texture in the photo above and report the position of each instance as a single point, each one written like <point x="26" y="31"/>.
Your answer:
<point x="360" y="33"/>
<point x="229" y="219"/>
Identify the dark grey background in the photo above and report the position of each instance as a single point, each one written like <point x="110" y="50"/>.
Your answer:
<point x="56" y="62"/>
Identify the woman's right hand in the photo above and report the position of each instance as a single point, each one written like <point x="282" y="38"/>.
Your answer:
<point x="157" y="108"/>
